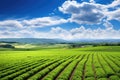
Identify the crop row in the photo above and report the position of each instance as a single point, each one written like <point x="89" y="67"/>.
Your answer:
<point x="99" y="69"/>
<point x="37" y="69"/>
<point x="66" y="73"/>
<point x="13" y="73"/>
<point x="91" y="66"/>
<point x="15" y="64"/>
<point x="20" y="66"/>
<point x="10" y="74"/>
<point x="79" y="71"/>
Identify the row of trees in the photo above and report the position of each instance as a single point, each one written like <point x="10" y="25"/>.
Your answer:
<point x="76" y="45"/>
<point x="6" y="46"/>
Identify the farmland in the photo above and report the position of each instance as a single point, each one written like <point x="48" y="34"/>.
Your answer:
<point x="89" y="63"/>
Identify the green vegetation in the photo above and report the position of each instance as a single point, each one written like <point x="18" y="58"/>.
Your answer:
<point x="59" y="62"/>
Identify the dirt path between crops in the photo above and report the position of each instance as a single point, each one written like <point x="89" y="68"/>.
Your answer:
<point x="72" y="73"/>
<point x="56" y="78"/>
<point x="84" y="68"/>
<point x="93" y="67"/>
<point x="102" y="67"/>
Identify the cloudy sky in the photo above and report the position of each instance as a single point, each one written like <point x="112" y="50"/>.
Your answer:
<point x="64" y="19"/>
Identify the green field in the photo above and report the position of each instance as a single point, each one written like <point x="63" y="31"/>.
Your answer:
<point x="89" y="63"/>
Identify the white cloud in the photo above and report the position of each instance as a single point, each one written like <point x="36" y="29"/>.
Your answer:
<point x="11" y="23"/>
<point x="16" y="34"/>
<point x="92" y="1"/>
<point x="26" y="28"/>
<point x="114" y="15"/>
<point x="58" y="32"/>
<point x="83" y="13"/>
<point x="114" y="4"/>
<point x="91" y="12"/>
<point x="83" y="33"/>
<point x="44" y="21"/>
<point x="36" y="22"/>
<point x="108" y="25"/>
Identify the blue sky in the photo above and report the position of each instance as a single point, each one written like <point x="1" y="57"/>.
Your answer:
<point x="64" y="19"/>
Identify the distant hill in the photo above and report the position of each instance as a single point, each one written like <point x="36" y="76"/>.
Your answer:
<point x="97" y="40"/>
<point x="53" y="41"/>
<point x="32" y="40"/>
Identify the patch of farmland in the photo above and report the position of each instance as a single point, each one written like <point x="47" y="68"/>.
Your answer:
<point x="90" y="65"/>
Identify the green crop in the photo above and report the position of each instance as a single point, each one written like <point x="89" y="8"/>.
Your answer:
<point x="90" y="63"/>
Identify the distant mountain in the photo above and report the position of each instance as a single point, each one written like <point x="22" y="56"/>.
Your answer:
<point x="98" y="40"/>
<point x="32" y="40"/>
<point x="52" y="41"/>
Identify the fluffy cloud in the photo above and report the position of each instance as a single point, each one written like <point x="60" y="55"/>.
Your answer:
<point x="83" y="33"/>
<point x="114" y="4"/>
<point x="83" y="13"/>
<point x="36" y="22"/>
<point x="114" y="15"/>
<point x="16" y="34"/>
<point x="58" y="32"/>
<point x="92" y="1"/>
<point x="44" y="21"/>
<point x="108" y="25"/>
<point x="26" y="28"/>
<point x="90" y="12"/>
<point x="10" y="24"/>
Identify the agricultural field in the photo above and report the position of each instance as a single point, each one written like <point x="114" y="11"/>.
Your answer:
<point x="88" y="63"/>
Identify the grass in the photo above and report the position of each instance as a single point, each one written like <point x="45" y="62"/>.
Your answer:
<point x="88" y="63"/>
